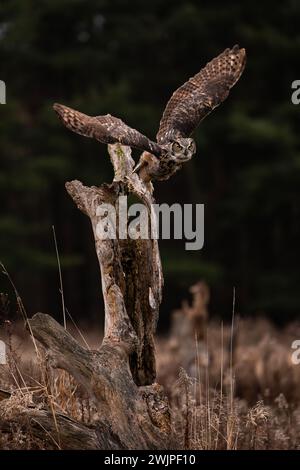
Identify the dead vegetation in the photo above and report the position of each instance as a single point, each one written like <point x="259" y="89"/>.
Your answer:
<point x="237" y="386"/>
<point x="251" y="403"/>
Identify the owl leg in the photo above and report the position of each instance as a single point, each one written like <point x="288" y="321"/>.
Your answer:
<point x="147" y="167"/>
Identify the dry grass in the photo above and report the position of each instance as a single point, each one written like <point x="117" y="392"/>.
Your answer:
<point x="232" y="394"/>
<point x="229" y="388"/>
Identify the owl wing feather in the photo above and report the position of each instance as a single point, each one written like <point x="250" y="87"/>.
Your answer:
<point x="106" y="129"/>
<point x="194" y="100"/>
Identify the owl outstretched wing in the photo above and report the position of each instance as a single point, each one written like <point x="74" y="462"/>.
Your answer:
<point x="107" y="129"/>
<point x="194" y="100"/>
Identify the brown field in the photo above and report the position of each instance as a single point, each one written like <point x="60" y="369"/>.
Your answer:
<point x="230" y="387"/>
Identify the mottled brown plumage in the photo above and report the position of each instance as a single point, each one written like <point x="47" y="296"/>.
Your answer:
<point x="107" y="129"/>
<point x="194" y="100"/>
<point x="188" y="106"/>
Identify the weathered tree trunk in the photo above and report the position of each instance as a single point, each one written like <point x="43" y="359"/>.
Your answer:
<point x="120" y="377"/>
<point x="130" y="269"/>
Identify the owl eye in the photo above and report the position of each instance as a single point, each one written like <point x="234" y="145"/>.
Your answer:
<point x="191" y="146"/>
<point x="176" y="147"/>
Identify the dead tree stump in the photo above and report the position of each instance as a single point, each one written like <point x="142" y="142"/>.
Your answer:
<point x="120" y="378"/>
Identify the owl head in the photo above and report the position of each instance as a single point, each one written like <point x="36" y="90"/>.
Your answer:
<point x="180" y="149"/>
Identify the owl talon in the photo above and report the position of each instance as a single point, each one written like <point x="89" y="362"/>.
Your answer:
<point x="137" y="167"/>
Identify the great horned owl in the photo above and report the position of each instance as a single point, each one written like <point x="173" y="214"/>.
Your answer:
<point x="188" y="106"/>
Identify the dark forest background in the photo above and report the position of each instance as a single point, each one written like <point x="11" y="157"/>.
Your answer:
<point x="126" y="58"/>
